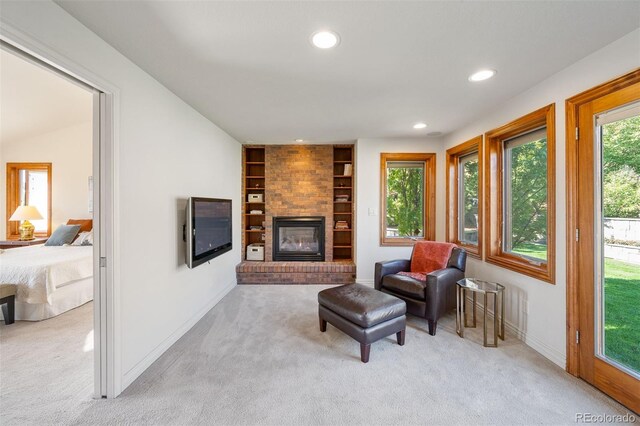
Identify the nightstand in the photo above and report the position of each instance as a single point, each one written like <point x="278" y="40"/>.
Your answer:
<point x="7" y="244"/>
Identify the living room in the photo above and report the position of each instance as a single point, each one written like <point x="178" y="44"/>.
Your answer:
<point x="262" y="341"/>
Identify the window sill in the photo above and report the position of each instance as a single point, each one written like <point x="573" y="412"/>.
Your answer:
<point x="399" y="242"/>
<point x="543" y="272"/>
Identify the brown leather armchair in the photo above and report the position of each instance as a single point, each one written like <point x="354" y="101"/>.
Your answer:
<point x="429" y="299"/>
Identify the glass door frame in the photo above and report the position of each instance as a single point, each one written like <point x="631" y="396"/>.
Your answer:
<point x="582" y="342"/>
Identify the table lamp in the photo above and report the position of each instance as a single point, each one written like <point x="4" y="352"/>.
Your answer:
<point x="26" y="213"/>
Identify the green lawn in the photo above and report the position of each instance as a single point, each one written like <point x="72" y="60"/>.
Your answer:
<point x="622" y="321"/>
<point x="537" y="251"/>
<point x="622" y="302"/>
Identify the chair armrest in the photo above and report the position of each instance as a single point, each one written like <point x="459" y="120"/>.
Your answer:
<point x="389" y="267"/>
<point x="441" y="291"/>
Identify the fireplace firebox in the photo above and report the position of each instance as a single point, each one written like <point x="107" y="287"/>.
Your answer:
<point x="298" y="238"/>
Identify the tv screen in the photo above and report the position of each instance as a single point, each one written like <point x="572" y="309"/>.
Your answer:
<point x="208" y="229"/>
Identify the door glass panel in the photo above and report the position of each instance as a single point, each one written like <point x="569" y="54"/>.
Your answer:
<point x="618" y="245"/>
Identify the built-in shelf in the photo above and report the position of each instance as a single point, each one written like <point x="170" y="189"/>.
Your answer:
<point x="254" y="173"/>
<point x="343" y="185"/>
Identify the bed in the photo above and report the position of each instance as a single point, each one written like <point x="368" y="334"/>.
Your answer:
<point x="50" y="280"/>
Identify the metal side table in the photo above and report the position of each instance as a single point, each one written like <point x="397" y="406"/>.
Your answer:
<point x="485" y="288"/>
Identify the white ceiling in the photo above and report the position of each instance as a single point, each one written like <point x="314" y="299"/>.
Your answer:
<point x="250" y="68"/>
<point x="34" y="101"/>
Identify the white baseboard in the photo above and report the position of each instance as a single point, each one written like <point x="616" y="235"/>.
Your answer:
<point x="535" y="343"/>
<point x="146" y="362"/>
<point x="368" y="282"/>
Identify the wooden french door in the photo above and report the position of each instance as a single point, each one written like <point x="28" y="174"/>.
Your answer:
<point x="603" y="269"/>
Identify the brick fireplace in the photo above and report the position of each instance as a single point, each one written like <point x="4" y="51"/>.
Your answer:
<point x="299" y="181"/>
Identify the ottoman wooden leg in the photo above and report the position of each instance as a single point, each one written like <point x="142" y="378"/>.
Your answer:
<point x="323" y="325"/>
<point x="364" y="352"/>
<point x="400" y="337"/>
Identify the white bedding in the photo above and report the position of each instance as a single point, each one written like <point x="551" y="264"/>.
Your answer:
<point x="39" y="270"/>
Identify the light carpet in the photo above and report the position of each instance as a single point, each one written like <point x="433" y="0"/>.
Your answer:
<point x="258" y="357"/>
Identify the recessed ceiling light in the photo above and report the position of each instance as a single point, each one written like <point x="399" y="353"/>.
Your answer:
<point x="420" y="126"/>
<point x="299" y="140"/>
<point x="325" y="39"/>
<point x="482" y="75"/>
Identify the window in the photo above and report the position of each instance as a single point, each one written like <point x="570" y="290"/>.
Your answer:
<point x="520" y="188"/>
<point x="464" y="196"/>
<point x="525" y="195"/>
<point x="29" y="184"/>
<point x="407" y="210"/>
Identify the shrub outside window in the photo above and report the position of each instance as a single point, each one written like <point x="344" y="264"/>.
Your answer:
<point x="407" y="210"/>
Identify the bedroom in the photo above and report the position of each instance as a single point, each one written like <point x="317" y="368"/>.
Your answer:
<point x="46" y="168"/>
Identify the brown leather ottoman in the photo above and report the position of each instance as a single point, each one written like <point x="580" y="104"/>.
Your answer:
<point x="363" y="313"/>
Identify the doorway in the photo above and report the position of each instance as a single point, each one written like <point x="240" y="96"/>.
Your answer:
<point x="96" y="202"/>
<point x="603" y="247"/>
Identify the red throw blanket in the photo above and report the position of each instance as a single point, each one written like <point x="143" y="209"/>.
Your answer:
<point x="429" y="256"/>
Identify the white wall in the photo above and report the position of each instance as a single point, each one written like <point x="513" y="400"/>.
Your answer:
<point x="70" y="152"/>
<point x="543" y="326"/>
<point x="368" y="249"/>
<point x="166" y="151"/>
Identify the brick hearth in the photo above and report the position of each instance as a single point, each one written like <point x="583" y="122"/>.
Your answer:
<point x="340" y="272"/>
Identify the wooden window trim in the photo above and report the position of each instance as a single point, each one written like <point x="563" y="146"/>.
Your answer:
<point x="13" y="197"/>
<point x="493" y="190"/>
<point x="453" y="162"/>
<point x="429" y="196"/>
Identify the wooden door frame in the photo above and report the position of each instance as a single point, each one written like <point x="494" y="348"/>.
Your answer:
<point x="572" y="107"/>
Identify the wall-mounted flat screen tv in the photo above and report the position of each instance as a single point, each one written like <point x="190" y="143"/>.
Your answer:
<point x="208" y="229"/>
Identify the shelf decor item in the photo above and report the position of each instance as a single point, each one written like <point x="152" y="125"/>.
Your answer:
<point x="25" y="214"/>
<point x="348" y="168"/>
<point x="255" y="198"/>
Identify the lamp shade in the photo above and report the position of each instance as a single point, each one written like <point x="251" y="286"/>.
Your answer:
<point x="26" y="213"/>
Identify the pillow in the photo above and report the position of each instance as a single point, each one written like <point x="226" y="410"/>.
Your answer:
<point x="83" y="239"/>
<point x="64" y="234"/>
<point x="86" y="225"/>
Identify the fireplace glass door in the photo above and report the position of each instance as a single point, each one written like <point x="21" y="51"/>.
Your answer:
<point x="299" y="239"/>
